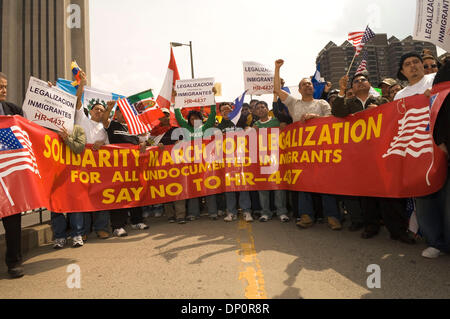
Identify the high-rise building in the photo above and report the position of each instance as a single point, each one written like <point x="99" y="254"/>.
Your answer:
<point x="40" y="38"/>
<point x="383" y="57"/>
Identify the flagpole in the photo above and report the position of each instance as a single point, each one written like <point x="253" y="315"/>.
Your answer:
<point x="351" y="64"/>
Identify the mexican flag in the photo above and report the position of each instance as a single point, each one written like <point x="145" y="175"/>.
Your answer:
<point x="146" y="108"/>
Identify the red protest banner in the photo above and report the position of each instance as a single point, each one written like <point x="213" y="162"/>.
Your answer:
<point x="384" y="152"/>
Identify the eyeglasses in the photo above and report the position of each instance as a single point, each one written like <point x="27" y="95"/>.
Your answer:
<point x="432" y="66"/>
<point x="3" y="87"/>
<point x="363" y="80"/>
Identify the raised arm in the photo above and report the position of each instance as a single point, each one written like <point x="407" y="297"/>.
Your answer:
<point x="277" y="81"/>
<point x="339" y="107"/>
<point x="80" y="90"/>
<point x="211" y="118"/>
<point x="105" y="118"/>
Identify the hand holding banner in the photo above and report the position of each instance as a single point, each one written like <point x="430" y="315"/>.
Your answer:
<point x="49" y="107"/>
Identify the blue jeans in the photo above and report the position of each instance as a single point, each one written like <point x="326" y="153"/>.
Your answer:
<point x="280" y="203"/>
<point x="153" y="209"/>
<point x="194" y="206"/>
<point x="59" y="224"/>
<point x="101" y="222"/>
<point x="329" y="204"/>
<point x="244" y="202"/>
<point x="433" y="216"/>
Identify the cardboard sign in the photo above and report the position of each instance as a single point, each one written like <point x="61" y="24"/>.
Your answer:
<point x="197" y="92"/>
<point x="258" y="79"/>
<point x="49" y="107"/>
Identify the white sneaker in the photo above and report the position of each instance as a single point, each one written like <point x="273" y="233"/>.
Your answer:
<point x="248" y="217"/>
<point x="140" y="226"/>
<point x="220" y="213"/>
<point x="284" y="218"/>
<point x="431" y="252"/>
<point x="230" y="217"/>
<point x="120" y="232"/>
<point x="264" y="218"/>
<point x="77" y="242"/>
<point x="59" y="243"/>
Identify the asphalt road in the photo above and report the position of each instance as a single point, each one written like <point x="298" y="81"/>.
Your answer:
<point x="217" y="260"/>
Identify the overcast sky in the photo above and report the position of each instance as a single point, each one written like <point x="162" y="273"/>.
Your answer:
<point x="130" y="39"/>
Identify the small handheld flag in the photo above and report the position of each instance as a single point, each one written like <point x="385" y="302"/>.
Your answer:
<point x="76" y="71"/>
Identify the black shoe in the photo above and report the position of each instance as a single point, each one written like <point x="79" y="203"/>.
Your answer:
<point x="369" y="233"/>
<point x="181" y="221"/>
<point x="404" y="238"/>
<point x="16" y="272"/>
<point x="355" y="227"/>
<point x="172" y="220"/>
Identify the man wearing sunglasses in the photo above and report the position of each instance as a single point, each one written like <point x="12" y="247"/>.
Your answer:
<point x="362" y="100"/>
<point x="364" y="211"/>
<point x="430" y="64"/>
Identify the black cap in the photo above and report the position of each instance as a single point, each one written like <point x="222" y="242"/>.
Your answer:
<point x="400" y="75"/>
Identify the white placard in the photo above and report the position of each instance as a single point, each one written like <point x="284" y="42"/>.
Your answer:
<point x="192" y="93"/>
<point x="432" y="22"/>
<point x="49" y="107"/>
<point x="258" y="78"/>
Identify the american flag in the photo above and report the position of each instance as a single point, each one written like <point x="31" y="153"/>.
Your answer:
<point x="356" y="37"/>
<point x="363" y="66"/>
<point x="368" y="35"/>
<point x="359" y="39"/>
<point x="414" y="136"/>
<point x="16" y="154"/>
<point x="135" y="125"/>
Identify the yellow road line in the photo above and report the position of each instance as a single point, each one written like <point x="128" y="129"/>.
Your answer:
<point x="252" y="272"/>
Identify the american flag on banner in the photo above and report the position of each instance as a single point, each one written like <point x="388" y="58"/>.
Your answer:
<point x="135" y="125"/>
<point x="414" y="136"/>
<point x="363" y="66"/>
<point x="359" y="39"/>
<point x="16" y="154"/>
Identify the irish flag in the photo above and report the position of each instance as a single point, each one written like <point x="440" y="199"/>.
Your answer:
<point x="165" y="96"/>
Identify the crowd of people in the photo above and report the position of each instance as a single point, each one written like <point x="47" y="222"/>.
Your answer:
<point x="417" y="74"/>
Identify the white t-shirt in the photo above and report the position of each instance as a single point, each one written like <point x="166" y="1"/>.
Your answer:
<point x="298" y="108"/>
<point x="94" y="130"/>
<point x="418" y="88"/>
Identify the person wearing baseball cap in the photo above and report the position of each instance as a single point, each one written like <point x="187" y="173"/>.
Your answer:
<point x="411" y="69"/>
<point x="385" y="85"/>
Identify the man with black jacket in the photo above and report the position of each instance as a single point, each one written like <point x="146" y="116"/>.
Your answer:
<point x="362" y="100"/>
<point x="175" y="211"/>
<point x="228" y="126"/>
<point x="12" y="224"/>
<point x="118" y="134"/>
<point x="392" y="210"/>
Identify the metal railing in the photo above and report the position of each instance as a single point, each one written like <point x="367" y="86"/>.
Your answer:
<point x="34" y="211"/>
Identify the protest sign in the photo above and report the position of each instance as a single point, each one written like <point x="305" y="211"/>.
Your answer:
<point x="432" y="22"/>
<point x="372" y="153"/>
<point x="49" y="107"/>
<point x="193" y="93"/>
<point x="258" y="79"/>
